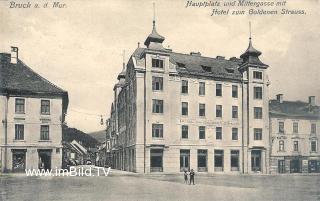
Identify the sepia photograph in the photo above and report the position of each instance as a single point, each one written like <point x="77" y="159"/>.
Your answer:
<point x="159" y="100"/>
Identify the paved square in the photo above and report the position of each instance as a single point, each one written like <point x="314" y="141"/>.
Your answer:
<point x="129" y="186"/>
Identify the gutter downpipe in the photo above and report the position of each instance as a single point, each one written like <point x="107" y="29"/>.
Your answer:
<point x="5" y="170"/>
<point x="144" y="121"/>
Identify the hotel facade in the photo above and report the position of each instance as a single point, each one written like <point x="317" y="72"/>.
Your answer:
<point x="173" y="112"/>
<point x="32" y="113"/>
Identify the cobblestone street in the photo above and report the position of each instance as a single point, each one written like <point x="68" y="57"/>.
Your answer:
<point x="128" y="186"/>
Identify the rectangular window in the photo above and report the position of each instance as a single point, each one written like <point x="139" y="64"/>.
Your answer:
<point x="157" y="106"/>
<point x="257" y="92"/>
<point x="218" y="160"/>
<point x="202" y="88"/>
<point x="281" y="145"/>
<point x="184" y="108"/>
<point x="45" y="107"/>
<point x="313" y="128"/>
<point x="202" y="110"/>
<point x="219" y="111"/>
<point x="257" y="133"/>
<point x="44" y="132"/>
<point x="19" y="132"/>
<point x="235" y="160"/>
<point x="157" y="83"/>
<point x="257" y="75"/>
<point x="218" y="133"/>
<point x="202" y="160"/>
<point x="257" y="112"/>
<point x="202" y="132"/>
<point x="184" y="132"/>
<point x="218" y="89"/>
<point x="295" y="146"/>
<point x="184" y="86"/>
<point x="234" y="91"/>
<point x="20" y="106"/>
<point x="157" y="63"/>
<point x="281" y="127"/>
<point x="234" y="133"/>
<point x="314" y="146"/>
<point x="234" y="112"/>
<point x="295" y="128"/>
<point x="157" y="130"/>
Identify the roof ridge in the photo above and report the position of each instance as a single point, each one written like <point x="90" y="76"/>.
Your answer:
<point x="39" y="76"/>
<point x="205" y="57"/>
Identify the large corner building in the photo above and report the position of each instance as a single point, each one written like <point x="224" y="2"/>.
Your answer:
<point x="174" y="112"/>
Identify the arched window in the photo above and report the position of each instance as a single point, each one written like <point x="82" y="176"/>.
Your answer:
<point x="281" y="145"/>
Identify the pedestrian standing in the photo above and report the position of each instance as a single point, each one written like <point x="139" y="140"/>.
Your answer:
<point x="185" y="176"/>
<point x="192" y="177"/>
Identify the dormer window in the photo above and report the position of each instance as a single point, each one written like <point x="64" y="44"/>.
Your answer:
<point x="181" y="65"/>
<point x="206" y="68"/>
<point x="157" y="63"/>
<point x="230" y="70"/>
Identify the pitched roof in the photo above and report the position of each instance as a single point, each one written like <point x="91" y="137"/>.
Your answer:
<point x="196" y="65"/>
<point x="19" y="78"/>
<point x="294" y="109"/>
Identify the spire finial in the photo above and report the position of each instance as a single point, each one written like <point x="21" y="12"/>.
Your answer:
<point x="123" y="58"/>
<point x="154" y="14"/>
<point x="250" y="30"/>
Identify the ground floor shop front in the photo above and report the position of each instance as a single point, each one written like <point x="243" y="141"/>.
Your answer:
<point x="173" y="159"/>
<point x="295" y="164"/>
<point x="18" y="159"/>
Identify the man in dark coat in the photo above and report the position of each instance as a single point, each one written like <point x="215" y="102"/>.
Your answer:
<point x="192" y="177"/>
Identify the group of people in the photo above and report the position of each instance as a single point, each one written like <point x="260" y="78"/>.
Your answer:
<point x="191" y="177"/>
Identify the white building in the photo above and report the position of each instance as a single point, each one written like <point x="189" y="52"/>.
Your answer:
<point x="32" y="111"/>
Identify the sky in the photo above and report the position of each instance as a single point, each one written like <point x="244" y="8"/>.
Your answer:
<point x="79" y="48"/>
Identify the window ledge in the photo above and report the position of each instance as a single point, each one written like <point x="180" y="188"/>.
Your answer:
<point x="19" y="140"/>
<point x="44" y="141"/>
<point x="155" y="138"/>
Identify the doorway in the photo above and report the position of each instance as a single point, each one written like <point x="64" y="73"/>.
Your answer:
<point x="18" y="160"/>
<point x="184" y="160"/>
<point x="256" y="160"/>
<point x="295" y="166"/>
<point x="156" y="158"/>
<point x="45" y="159"/>
<point x="281" y="166"/>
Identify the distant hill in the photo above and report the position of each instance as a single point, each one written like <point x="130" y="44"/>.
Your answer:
<point x="99" y="135"/>
<point x="69" y="134"/>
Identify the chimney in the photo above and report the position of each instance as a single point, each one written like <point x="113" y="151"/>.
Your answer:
<point x="14" y="55"/>
<point x="195" y="53"/>
<point x="280" y="98"/>
<point x="234" y="59"/>
<point x="312" y="100"/>
<point x="220" y="57"/>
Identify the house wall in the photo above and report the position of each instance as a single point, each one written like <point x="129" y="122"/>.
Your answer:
<point x="304" y="138"/>
<point x="32" y="119"/>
